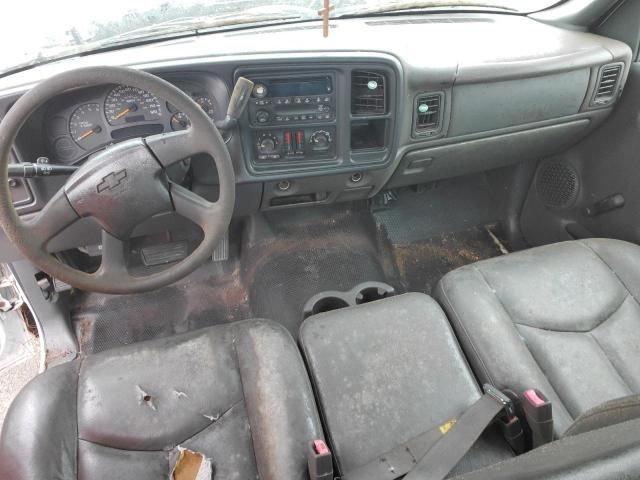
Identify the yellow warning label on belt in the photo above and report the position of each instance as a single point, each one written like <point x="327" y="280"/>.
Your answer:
<point x="445" y="427"/>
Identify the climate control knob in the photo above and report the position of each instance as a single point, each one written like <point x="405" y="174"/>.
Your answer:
<point x="320" y="140"/>
<point x="262" y="116"/>
<point x="267" y="144"/>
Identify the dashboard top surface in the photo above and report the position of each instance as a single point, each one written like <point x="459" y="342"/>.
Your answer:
<point x="460" y="47"/>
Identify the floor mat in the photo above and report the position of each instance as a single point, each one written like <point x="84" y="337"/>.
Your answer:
<point x="271" y="275"/>
<point x="329" y="249"/>
<point x="211" y="295"/>
<point x="421" y="212"/>
<point x="282" y="258"/>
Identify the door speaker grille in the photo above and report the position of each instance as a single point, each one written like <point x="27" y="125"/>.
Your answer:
<point x="557" y="184"/>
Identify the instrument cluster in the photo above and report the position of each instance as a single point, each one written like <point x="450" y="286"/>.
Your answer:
<point x="83" y="122"/>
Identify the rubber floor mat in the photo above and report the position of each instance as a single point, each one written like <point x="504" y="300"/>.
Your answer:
<point x="204" y="298"/>
<point x="311" y="252"/>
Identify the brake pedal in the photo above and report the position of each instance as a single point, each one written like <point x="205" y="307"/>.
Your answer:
<point x="221" y="252"/>
<point x="165" y="253"/>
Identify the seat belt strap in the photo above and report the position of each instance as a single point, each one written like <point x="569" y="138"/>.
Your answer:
<point x="450" y="448"/>
<point x="407" y="456"/>
<point x="397" y="462"/>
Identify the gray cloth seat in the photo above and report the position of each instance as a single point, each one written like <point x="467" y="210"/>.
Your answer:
<point x="238" y="393"/>
<point x="563" y="318"/>
<point x="386" y="372"/>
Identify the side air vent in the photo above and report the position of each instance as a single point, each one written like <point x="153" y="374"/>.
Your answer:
<point x="428" y="113"/>
<point x="608" y="83"/>
<point x="368" y="93"/>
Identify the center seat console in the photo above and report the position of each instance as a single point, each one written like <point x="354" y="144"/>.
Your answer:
<point x="387" y="371"/>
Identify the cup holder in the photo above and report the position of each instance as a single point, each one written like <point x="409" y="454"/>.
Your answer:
<point x="333" y="300"/>
<point x="373" y="293"/>
<point x="327" y="304"/>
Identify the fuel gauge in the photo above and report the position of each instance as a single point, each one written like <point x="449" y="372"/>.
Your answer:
<point x="179" y="121"/>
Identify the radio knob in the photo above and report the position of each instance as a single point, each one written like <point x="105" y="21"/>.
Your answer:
<point x="320" y="140"/>
<point x="262" y="116"/>
<point x="260" y="90"/>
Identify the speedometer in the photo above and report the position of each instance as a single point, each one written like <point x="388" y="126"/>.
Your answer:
<point x="131" y="104"/>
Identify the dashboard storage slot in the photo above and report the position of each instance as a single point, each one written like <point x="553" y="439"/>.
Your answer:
<point x="299" y="199"/>
<point x="368" y="134"/>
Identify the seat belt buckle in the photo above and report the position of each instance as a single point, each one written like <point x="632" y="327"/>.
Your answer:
<point x="513" y="433"/>
<point x="319" y="460"/>
<point x="501" y="398"/>
<point x="539" y="414"/>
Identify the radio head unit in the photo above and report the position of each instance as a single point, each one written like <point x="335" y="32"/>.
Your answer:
<point x="281" y="101"/>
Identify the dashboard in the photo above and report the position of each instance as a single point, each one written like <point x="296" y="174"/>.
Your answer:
<point x="344" y="117"/>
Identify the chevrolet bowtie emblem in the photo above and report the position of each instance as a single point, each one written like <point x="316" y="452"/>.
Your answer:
<point x="112" y="180"/>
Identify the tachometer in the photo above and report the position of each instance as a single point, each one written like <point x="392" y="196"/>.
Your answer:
<point x="130" y="104"/>
<point x="86" y="126"/>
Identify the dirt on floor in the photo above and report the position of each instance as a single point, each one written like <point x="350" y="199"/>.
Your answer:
<point x="423" y="263"/>
<point x="12" y="379"/>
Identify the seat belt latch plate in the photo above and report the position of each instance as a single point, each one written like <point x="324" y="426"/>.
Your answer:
<point x="501" y="398"/>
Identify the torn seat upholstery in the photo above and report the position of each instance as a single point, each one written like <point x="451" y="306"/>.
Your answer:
<point x="238" y="393"/>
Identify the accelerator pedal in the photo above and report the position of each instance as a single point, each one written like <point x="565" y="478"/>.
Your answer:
<point x="221" y="252"/>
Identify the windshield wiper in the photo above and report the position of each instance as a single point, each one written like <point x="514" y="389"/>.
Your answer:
<point x="411" y="6"/>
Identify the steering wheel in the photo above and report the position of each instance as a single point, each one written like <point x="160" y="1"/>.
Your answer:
<point x="120" y="187"/>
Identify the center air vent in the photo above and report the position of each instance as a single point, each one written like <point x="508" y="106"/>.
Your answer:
<point x="368" y="91"/>
<point x="608" y="83"/>
<point x="428" y="113"/>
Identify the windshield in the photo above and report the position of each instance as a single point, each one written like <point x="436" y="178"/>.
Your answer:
<point x="35" y="31"/>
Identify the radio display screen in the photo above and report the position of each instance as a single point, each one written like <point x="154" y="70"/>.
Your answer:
<point x="300" y="87"/>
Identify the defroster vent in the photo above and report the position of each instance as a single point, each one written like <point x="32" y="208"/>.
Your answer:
<point x="368" y="93"/>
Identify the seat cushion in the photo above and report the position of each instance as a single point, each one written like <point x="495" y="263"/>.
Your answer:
<point x="563" y="318"/>
<point x="237" y="393"/>
<point x="387" y="371"/>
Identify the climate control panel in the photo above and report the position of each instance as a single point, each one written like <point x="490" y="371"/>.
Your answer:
<point x="294" y="144"/>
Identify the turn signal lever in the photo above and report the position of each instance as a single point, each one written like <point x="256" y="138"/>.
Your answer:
<point x="238" y="102"/>
<point x="41" y="168"/>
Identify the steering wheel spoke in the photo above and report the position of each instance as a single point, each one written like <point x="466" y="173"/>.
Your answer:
<point x="193" y="206"/>
<point x="172" y="147"/>
<point x="56" y="215"/>
<point x="114" y="256"/>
